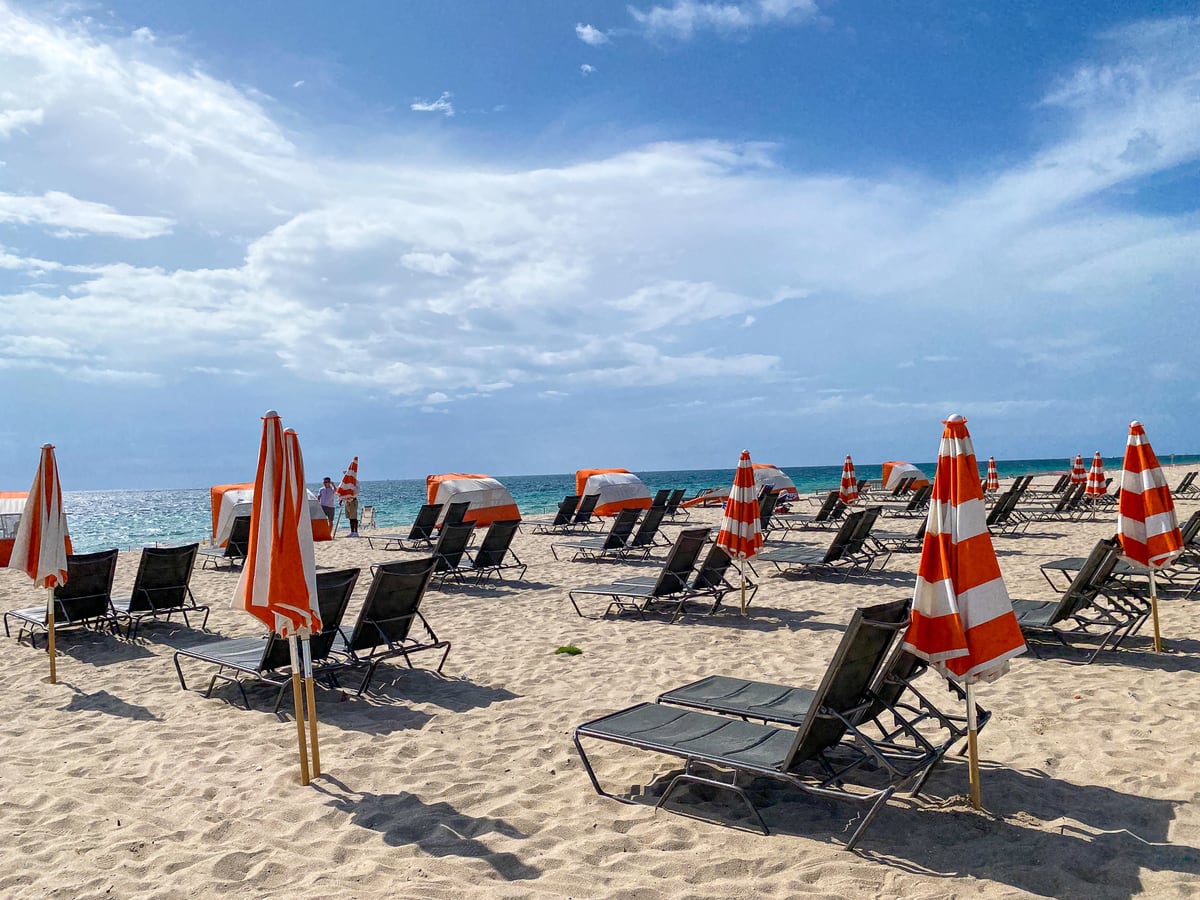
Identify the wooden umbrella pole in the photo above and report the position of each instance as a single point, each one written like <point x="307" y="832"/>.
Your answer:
<point x="1154" y="613"/>
<point x="973" y="749"/>
<point x="310" y="697"/>
<point x="50" y="635"/>
<point x="299" y="703"/>
<point x="743" y="571"/>
<point x="336" y="523"/>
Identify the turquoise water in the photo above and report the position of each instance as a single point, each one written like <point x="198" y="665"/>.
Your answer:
<point x="100" y="519"/>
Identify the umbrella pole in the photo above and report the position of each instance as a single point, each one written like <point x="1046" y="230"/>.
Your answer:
<point x="310" y="698"/>
<point x="743" y="571"/>
<point x="973" y="749"/>
<point x="1154" y="613"/>
<point x="50" y="634"/>
<point x="336" y="523"/>
<point x="299" y="703"/>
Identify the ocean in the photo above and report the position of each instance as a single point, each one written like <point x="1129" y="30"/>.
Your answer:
<point x="130" y="519"/>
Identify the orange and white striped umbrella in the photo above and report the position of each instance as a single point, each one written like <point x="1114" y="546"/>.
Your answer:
<point x="278" y="584"/>
<point x="1078" y="472"/>
<point x="993" y="477"/>
<point x="40" y="546"/>
<point x="1146" y="523"/>
<point x="848" y="493"/>
<point x="962" y="618"/>
<point x="349" y="486"/>
<point x="1096" y="486"/>
<point x="741" y="532"/>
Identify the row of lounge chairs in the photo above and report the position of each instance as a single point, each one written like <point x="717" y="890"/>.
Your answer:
<point x="621" y="540"/>
<point x="850" y="549"/>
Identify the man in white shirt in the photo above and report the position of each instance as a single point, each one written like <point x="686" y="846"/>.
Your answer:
<point x="327" y="497"/>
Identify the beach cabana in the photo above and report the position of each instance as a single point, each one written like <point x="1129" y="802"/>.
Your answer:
<point x="618" y="489"/>
<point x="894" y="472"/>
<point x="12" y="504"/>
<point x="232" y="500"/>
<point x="490" y="500"/>
<point x="765" y="473"/>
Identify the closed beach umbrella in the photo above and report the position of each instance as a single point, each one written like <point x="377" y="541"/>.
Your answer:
<point x="40" y="547"/>
<point x="848" y="492"/>
<point x="962" y="618"/>
<point x="347" y="489"/>
<point x="1146" y="523"/>
<point x="278" y="584"/>
<point x="1095" y="480"/>
<point x="1078" y="472"/>
<point x="993" y="477"/>
<point x="740" y="533"/>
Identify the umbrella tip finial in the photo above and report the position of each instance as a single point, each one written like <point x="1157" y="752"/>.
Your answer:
<point x="47" y="446"/>
<point x="955" y="418"/>
<point x="1135" y="424"/>
<point x="270" y="414"/>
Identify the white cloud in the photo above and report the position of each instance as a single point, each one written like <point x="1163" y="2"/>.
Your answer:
<point x="72" y="215"/>
<point x="586" y="70"/>
<point x="684" y="18"/>
<point x="432" y="263"/>
<point x="297" y="84"/>
<point x="590" y="35"/>
<point x="17" y="119"/>
<point x="441" y="105"/>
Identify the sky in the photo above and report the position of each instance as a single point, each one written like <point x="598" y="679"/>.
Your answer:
<point x="530" y="238"/>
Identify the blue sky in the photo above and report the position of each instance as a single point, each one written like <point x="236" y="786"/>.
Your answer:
<point x="521" y="238"/>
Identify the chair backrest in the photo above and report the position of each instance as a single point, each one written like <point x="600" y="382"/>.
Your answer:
<point x="919" y="498"/>
<point x="678" y="565"/>
<point x="1068" y="498"/>
<point x="566" y="509"/>
<point x="843" y="537"/>
<point x="622" y="528"/>
<point x="1190" y="528"/>
<point x="903" y="485"/>
<point x="393" y="601"/>
<point x="1002" y="509"/>
<point x="660" y="498"/>
<point x="766" y="508"/>
<point x="827" y="507"/>
<point x="456" y="512"/>
<point x="845" y="688"/>
<point x="367" y="517"/>
<point x="711" y="575"/>
<point x="1188" y="478"/>
<point x="425" y="522"/>
<point x="587" y="506"/>
<point x="862" y="531"/>
<point x="239" y="538"/>
<point x="1089" y="580"/>
<point x="88" y="590"/>
<point x="495" y="544"/>
<point x="648" y="529"/>
<point x="333" y="596"/>
<point x="673" y="501"/>
<point x="1061" y="484"/>
<point x="162" y="578"/>
<point x="452" y="544"/>
<point x="1021" y="484"/>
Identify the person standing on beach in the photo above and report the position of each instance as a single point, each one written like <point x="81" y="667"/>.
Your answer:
<point x="351" y="504"/>
<point x="327" y="497"/>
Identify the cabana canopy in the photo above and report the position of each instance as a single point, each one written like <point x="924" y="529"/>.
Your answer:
<point x="765" y="473"/>
<point x="12" y="504"/>
<point x="894" y="472"/>
<point x="618" y="488"/>
<point x="490" y="500"/>
<point x="232" y="500"/>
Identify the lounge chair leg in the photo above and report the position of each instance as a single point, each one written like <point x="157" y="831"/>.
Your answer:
<point x="179" y="672"/>
<point x="444" y="655"/>
<point x="685" y="778"/>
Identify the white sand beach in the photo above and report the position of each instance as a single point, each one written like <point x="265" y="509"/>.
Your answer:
<point x="118" y="783"/>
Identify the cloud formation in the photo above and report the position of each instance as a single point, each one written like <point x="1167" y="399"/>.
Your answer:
<point x="684" y="18"/>
<point x="441" y="105"/>
<point x="590" y="35"/>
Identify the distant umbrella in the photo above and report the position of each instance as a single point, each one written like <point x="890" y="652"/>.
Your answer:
<point x="1096" y="486"/>
<point x="1078" y="472"/>
<point x="741" y="532"/>
<point x="848" y="493"/>
<point x="993" y="477"/>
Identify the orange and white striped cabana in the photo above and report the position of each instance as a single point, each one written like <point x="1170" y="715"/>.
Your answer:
<point x="1146" y="524"/>
<point x="740" y="532"/>
<point x="1096" y="486"/>
<point x="1078" y="472"/>
<point x="12" y="504"/>
<point x="962" y="618"/>
<point x="848" y="492"/>
<point x="779" y="481"/>
<point x="894" y="472"/>
<point x="232" y="500"/>
<point x="618" y="488"/>
<point x="993" y="476"/>
<point x="490" y="500"/>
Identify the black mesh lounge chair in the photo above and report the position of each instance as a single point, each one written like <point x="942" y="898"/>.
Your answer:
<point x="449" y="550"/>
<point x="740" y="748"/>
<point x="562" y="518"/>
<point x="419" y="537"/>
<point x="605" y="545"/>
<point x="673" y="501"/>
<point x="456" y="513"/>
<point x="1002" y="518"/>
<point x="1187" y="485"/>
<point x="917" y="505"/>
<point x="828" y="515"/>
<point x="385" y="626"/>
<point x="585" y="514"/>
<point x="710" y="582"/>
<point x="267" y="658"/>
<point x="647" y="536"/>
<point x="766" y="509"/>
<point x="660" y="498"/>
<point x="495" y="555"/>
<point x="895" y="542"/>
<point x="160" y="589"/>
<point x="235" y="550"/>
<point x="669" y="587"/>
<point x="84" y="601"/>
<point x="812" y="560"/>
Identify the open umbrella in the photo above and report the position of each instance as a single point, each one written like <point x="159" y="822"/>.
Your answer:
<point x="1146" y="523"/>
<point x="347" y="489"/>
<point x="962" y="618"/>
<point x="741" y="533"/>
<point x="1095" y="480"/>
<point x="1078" y="472"/>
<point x="278" y="584"/>
<point x="848" y="493"/>
<point x="40" y="547"/>
<point x="993" y="477"/>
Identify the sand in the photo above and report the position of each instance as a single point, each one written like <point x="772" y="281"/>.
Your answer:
<point x="117" y="782"/>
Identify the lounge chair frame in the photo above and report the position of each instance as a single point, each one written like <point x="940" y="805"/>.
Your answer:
<point x="161" y="589"/>
<point x="420" y="535"/>
<point x="235" y="549"/>
<point x="84" y="601"/>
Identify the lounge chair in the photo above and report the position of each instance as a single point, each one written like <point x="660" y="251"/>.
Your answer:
<point x="746" y="748"/>
<point x="495" y="555"/>
<point x="562" y="518"/>
<point x="604" y="545"/>
<point x="710" y="582"/>
<point x="450" y="548"/>
<point x="456" y="514"/>
<point x="916" y="505"/>
<point x="1059" y="486"/>
<point x="385" y="626"/>
<point x="1002" y="518"/>
<point x="160" y="589"/>
<point x="660" y="498"/>
<point x="235" y="549"/>
<point x="366" y="518"/>
<point x="828" y="515"/>
<point x="646" y="538"/>
<point x="811" y="560"/>
<point x="766" y="509"/>
<point x="673" y="504"/>
<point x="419" y="537"/>
<point x="668" y="587"/>
<point x="585" y="515"/>
<point x="267" y="658"/>
<point x="894" y="542"/>
<point x="85" y="600"/>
